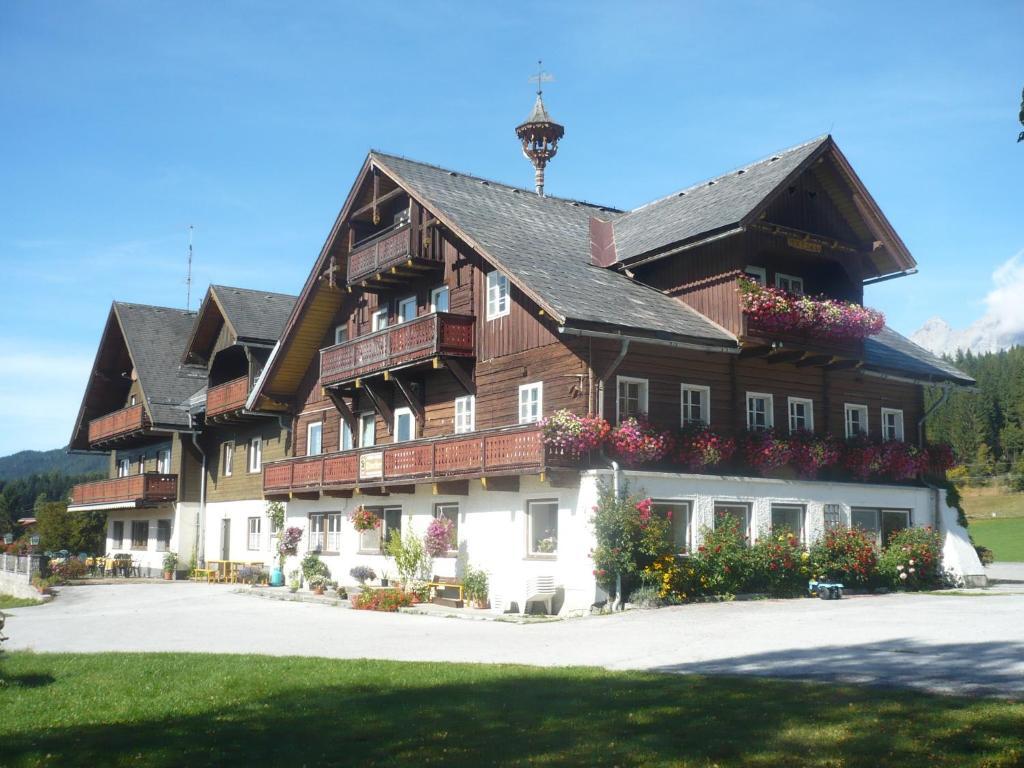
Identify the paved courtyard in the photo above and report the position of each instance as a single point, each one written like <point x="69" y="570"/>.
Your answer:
<point x="941" y="643"/>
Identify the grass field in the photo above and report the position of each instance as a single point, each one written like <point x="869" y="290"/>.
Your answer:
<point x="7" y="601"/>
<point x="996" y="521"/>
<point x="198" y="710"/>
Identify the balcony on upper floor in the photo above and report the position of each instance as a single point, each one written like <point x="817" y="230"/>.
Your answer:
<point x="133" y="490"/>
<point x="389" y="259"/>
<point x="118" y="425"/>
<point x="227" y="398"/>
<point x="421" y="340"/>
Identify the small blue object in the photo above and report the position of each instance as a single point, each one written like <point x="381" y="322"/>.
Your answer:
<point x="276" y="578"/>
<point x="826" y="590"/>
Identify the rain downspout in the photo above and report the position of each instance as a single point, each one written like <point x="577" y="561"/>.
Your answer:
<point x="616" y="472"/>
<point x="199" y="554"/>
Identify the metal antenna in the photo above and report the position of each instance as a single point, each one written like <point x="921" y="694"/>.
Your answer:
<point x="188" y="276"/>
<point x="541" y="77"/>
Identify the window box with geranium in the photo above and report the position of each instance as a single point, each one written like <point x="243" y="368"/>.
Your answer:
<point x="765" y="450"/>
<point x="698" y="447"/>
<point x="809" y="454"/>
<point x="573" y="436"/>
<point x="364" y="519"/>
<point x="773" y="309"/>
<point x="636" y="442"/>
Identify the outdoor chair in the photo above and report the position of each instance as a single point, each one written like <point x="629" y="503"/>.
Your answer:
<point x="539" y="589"/>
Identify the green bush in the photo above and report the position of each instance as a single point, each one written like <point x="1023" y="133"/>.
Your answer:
<point x="474" y="584"/>
<point x="630" y="538"/>
<point x="779" y="565"/>
<point x="411" y="559"/>
<point x="846" y="555"/>
<point x="312" y="566"/>
<point x="913" y="560"/>
<point x="721" y="565"/>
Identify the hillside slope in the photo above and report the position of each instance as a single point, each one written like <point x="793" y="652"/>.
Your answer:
<point x="25" y="463"/>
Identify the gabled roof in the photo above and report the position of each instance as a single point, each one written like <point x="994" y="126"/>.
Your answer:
<point x="891" y="352"/>
<point x="543" y="244"/>
<point x="149" y="340"/>
<point x="251" y="316"/>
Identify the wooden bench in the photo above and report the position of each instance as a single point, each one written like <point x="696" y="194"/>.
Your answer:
<point x="440" y="585"/>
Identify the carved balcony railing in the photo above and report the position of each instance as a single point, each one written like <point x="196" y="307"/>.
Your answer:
<point x="227" y="397"/>
<point x="380" y="253"/>
<point x="139" y="489"/>
<point x="477" y="454"/>
<point x="415" y="341"/>
<point x="118" y="424"/>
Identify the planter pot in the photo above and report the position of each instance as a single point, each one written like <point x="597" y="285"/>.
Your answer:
<point x="168" y="575"/>
<point x="277" y="578"/>
<point x="318" y="590"/>
<point x="481" y="604"/>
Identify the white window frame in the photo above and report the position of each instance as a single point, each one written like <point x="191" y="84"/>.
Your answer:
<point x="341" y="333"/>
<point x="229" y="458"/>
<point x="124" y="467"/>
<point x="318" y="532"/>
<point x="163" y="461"/>
<point x="878" y="513"/>
<point x="465" y="414"/>
<point x="319" y="425"/>
<point x="758" y="274"/>
<point x="526" y="417"/>
<point x="406" y="302"/>
<point x="405" y="411"/>
<point x="379" y="319"/>
<point x="164" y="544"/>
<point x="849" y="408"/>
<point x="530" y="551"/>
<point x="687" y="528"/>
<point x="255" y="455"/>
<point x="254" y="529"/>
<point x="898" y="425"/>
<point x="769" y="414"/>
<point x="801" y="531"/>
<point x="333" y="532"/>
<point x="793" y="280"/>
<point x="142" y="463"/>
<point x="808" y="403"/>
<point x="367" y="418"/>
<point x="440" y="290"/>
<point x="747" y="516"/>
<point x="643" y="395"/>
<point x="705" y="404"/>
<point x="345" y="430"/>
<point x="499" y="297"/>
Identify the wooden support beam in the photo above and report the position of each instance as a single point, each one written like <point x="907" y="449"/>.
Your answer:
<point x="342" y="406"/>
<point x="380" y="406"/>
<point x="386" y="197"/>
<point x="813" y="360"/>
<point x="338" y="493"/>
<point x="461" y="373"/>
<point x="843" y="365"/>
<point x="451" y="488"/>
<point x="786" y="356"/>
<point x="758" y="351"/>
<point x="308" y="495"/>
<point x="279" y="496"/>
<point x="508" y="483"/>
<point x="410" y="396"/>
<point x="400" y="489"/>
<point x="376" y="491"/>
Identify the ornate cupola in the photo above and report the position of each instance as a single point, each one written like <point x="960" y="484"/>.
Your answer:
<point x="539" y="134"/>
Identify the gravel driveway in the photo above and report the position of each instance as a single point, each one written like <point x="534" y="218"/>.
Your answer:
<point x="939" y="643"/>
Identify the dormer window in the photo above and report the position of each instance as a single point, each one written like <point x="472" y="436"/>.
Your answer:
<point x="758" y="274"/>
<point x="789" y="283"/>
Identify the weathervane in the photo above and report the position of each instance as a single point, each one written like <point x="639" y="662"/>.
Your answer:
<point x="540" y="134"/>
<point x="1021" y="137"/>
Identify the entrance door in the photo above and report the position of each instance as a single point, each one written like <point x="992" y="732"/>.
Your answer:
<point x="225" y="539"/>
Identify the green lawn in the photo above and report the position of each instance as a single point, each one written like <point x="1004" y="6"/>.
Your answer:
<point x="8" y="601"/>
<point x="197" y="710"/>
<point x="1004" y="536"/>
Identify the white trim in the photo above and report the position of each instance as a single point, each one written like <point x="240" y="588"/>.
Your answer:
<point x="747" y="516"/>
<point x="340" y="330"/>
<point x="468" y="420"/>
<point x="362" y="432"/>
<point x="309" y="437"/>
<point x="705" y="403"/>
<point x="643" y="395"/>
<point x="861" y="408"/>
<point x="779" y="277"/>
<point x="690" y="517"/>
<point x="405" y="411"/>
<point x="379" y="319"/>
<point x="255" y="452"/>
<point x="760" y="272"/>
<point x="250" y="533"/>
<point x="898" y="412"/>
<point x="434" y="294"/>
<point x="530" y="418"/>
<point x="769" y="409"/>
<point x="399" y="319"/>
<point x="345" y="428"/>
<point x="809" y="419"/>
<point x="498" y="294"/>
<point x="801" y="508"/>
<point x="229" y="459"/>
<point x="530" y="552"/>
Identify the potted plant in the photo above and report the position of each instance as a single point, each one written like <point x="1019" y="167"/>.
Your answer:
<point x="170" y="564"/>
<point x="384" y="581"/>
<point x="287" y="545"/>
<point x="312" y="568"/>
<point x="318" y="583"/>
<point x="364" y="520"/>
<point x="474" y="585"/>
<point x="293" y="581"/>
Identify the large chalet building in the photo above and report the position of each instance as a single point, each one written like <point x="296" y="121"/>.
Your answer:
<point x="448" y="315"/>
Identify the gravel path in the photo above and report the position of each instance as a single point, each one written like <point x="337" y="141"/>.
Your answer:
<point x="941" y="643"/>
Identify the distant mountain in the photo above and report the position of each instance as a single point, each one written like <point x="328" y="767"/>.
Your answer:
<point x="987" y="334"/>
<point x="25" y="463"/>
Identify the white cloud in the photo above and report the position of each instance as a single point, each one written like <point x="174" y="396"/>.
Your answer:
<point x="1001" y="326"/>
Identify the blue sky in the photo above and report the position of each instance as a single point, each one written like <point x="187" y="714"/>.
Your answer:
<point x="125" y="122"/>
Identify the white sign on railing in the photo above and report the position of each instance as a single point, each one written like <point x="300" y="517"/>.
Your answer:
<point x="371" y="466"/>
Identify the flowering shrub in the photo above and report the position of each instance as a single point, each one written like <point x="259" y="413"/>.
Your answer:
<point x="902" y="461"/>
<point x="363" y="519"/>
<point x="388" y="600"/>
<point x="440" y="537"/>
<point x="809" y="453"/>
<point x="66" y="570"/>
<point x="630" y="537"/>
<point x="862" y="458"/>
<point x="698" y="447"/>
<point x="636" y="442"/>
<point x="572" y="435"/>
<point x="363" y="574"/>
<point x="720" y="566"/>
<point x="776" y="310"/>
<point x="765" y="451"/>
<point x="288" y="544"/>
<point x="912" y="560"/>
<point x="846" y="555"/>
<point x="779" y="565"/>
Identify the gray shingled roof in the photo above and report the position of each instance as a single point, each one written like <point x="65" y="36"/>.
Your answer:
<point x="155" y="337"/>
<point x="890" y="351"/>
<point x="544" y="243"/>
<point x="713" y="205"/>
<point x="255" y="315"/>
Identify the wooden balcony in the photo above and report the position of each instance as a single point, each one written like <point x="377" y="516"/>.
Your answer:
<point x="139" y="490"/>
<point x="227" y="397"/>
<point x="118" y="424"/>
<point x="791" y="343"/>
<point x="419" y="340"/>
<point x="515" y="450"/>
<point x="388" y="260"/>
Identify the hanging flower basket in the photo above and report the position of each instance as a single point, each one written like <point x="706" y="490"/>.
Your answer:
<point x="810" y="453"/>
<point x="440" y="537"/>
<point x="698" y="447"/>
<point x="363" y="519"/>
<point x="772" y="309"/>
<point x="636" y="442"/>
<point x="567" y="434"/>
